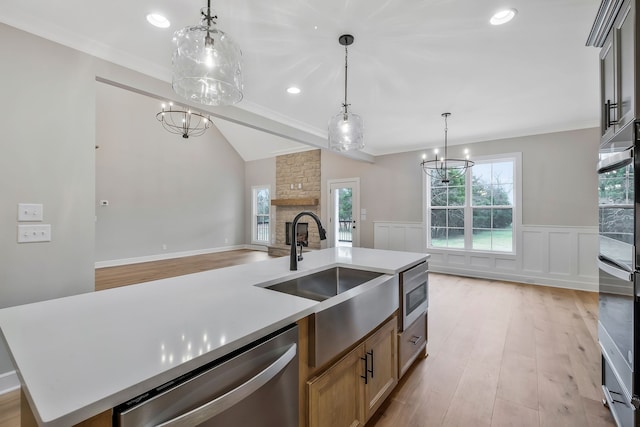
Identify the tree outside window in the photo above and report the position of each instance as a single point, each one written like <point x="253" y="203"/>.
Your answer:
<point x="475" y="210"/>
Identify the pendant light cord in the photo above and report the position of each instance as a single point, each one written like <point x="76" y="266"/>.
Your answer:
<point x="346" y="71"/>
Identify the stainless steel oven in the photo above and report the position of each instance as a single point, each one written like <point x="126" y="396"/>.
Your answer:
<point x="414" y="294"/>
<point x="617" y="263"/>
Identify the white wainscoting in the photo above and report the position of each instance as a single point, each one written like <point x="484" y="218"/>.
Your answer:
<point x="563" y="257"/>
<point x="399" y="236"/>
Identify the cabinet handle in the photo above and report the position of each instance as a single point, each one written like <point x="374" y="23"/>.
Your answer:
<point x="607" y="113"/>
<point x="415" y="340"/>
<point x="370" y="353"/>
<point x="366" y="369"/>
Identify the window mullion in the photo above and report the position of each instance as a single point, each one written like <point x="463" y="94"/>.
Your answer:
<point x="468" y="212"/>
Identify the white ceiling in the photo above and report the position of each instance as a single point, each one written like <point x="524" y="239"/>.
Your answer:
<point x="411" y="61"/>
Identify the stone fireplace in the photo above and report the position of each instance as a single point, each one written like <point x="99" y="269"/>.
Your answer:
<point x="297" y="190"/>
<point x="303" y="233"/>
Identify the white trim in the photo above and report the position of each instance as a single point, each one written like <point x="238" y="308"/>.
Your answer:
<point x="354" y="183"/>
<point x="516" y="158"/>
<point x="559" y="256"/>
<point x="588" y="286"/>
<point x="254" y="231"/>
<point x="163" y="256"/>
<point x="9" y="382"/>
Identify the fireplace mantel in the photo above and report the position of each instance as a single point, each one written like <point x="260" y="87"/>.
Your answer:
<point x="295" y="202"/>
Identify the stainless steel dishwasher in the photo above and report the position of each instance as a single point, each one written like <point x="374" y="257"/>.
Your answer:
<point x="253" y="386"/>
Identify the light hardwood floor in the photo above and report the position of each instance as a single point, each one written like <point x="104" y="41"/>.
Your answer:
<point x="503" y="354"/>
<point x="500" y="354"/>
<point x="113" y="277"/>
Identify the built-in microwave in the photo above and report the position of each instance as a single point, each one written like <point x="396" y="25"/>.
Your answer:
<point x="414" y="294"/>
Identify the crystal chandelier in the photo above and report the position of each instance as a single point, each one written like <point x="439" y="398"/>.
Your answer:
<point x="346" y="128"/>
<point x="444" y="168"/>
<point x="206" y="63"/>
<point x="183" y="121"/>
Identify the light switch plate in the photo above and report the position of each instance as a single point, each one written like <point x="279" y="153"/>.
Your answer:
<point x="32" y="233"/>
<point x="30" y="212"/>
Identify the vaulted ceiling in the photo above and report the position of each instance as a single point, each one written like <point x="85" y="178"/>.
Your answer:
<point x="411" y="61"/>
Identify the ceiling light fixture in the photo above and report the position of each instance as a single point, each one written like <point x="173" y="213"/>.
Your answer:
<point x="183" y="121"/>
<point x="444" y="168"/>
<point x="503" y="16"/>
<point x="293" y="90"/>
<point x="346" y="128"/>
<point x="158" y="20"/>
<point x="206" y="63"/>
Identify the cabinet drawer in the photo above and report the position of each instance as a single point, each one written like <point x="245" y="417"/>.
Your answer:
<point x="412" y="343"/>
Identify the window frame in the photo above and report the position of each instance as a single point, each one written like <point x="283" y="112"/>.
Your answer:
<point x="254" y="215"/>
<point x="516" y="160"/>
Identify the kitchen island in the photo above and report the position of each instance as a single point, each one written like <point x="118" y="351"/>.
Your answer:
<point x="79" y="356"/>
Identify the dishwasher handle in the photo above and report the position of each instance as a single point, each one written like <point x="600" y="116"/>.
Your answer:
<point x="227" y="400"/>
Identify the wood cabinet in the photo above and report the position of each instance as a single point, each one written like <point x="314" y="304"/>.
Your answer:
<point x="618" y="54"/>
<point x="350" y="391"/>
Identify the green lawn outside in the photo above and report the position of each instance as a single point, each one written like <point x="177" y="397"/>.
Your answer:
<point x="496" y="240"/>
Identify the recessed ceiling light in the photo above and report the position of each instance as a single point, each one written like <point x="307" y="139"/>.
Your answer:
<point x="293" y="90"/>
<point x="158" y="20"/>
<point x="503" y="16"/>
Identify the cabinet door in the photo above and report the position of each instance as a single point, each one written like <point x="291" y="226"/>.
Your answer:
<point x="626" y="46"/>
<point x="336" y="396"/>
<point x="607" y="88"/>
<point x="381" y="354"/>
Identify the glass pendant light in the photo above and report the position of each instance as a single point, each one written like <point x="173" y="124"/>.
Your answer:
<point x="206" y="63"/>
<point x="346" y="128"/>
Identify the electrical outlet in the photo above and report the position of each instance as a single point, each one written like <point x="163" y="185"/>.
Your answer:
<point x="28" y="233"/>
<point x="30" y="212"/>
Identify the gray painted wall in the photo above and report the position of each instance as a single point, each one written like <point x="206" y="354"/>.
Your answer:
<point x="162" y="189"/>
<point x="559" y="180"/>
<point x="47" y="116"/>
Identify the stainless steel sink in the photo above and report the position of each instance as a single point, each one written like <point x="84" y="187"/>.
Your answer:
<point x="325" y="284"/>
<point x="351" y="304"/>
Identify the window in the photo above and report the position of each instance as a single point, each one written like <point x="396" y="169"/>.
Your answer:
<point x="476" y="210"/>
<point x="260" y="214"/>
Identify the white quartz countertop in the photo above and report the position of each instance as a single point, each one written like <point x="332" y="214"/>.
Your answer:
<point x="81" y="355"/>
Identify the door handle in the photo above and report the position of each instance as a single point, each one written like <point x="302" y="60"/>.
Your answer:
<point x="211" y="409"/>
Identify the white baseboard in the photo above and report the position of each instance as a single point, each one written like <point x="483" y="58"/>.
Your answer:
<point x="9" y="382"/>
<point x="578" y="285"/>
<point x="170" y="255"/>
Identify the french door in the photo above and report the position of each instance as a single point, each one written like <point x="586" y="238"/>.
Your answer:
<point x="344" y="208"/>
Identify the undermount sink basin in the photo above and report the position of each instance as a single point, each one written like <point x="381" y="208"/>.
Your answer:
<point x="325" y="284"/>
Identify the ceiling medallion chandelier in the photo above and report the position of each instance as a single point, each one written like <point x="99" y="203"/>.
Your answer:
<point x="183" y="121"/>
<point x="206" y="63"/>
<point x="444" y="168"/>
<point x="346" y="128"/>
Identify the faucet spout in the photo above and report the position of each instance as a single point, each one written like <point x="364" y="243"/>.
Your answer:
<point x="293" y="264"/>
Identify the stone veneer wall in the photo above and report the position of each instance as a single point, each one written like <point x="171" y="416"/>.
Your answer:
<point x="292" y="170"/>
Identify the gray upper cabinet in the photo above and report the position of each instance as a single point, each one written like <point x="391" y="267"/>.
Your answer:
<point x="625" y="38"/>
<point x="608" y="92"/>
<point x="614" y="31"/>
